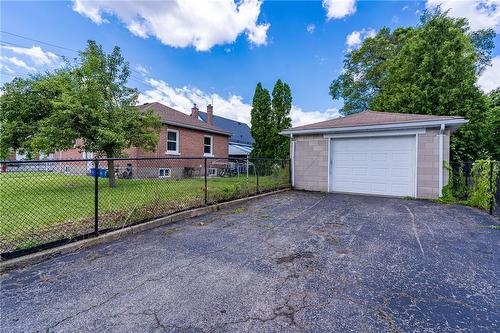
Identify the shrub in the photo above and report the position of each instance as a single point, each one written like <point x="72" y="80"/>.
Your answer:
<point x="480" y="194"/>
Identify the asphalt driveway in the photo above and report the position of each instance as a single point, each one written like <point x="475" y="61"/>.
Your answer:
<point x="293" y="261"/>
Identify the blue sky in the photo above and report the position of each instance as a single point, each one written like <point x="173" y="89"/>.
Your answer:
<point x="219" y="50"/>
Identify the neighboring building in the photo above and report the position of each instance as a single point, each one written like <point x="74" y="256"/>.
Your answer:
<point x="371" y="152"/>
<point x="240" y="141"/>
<point x="182" y="136"/>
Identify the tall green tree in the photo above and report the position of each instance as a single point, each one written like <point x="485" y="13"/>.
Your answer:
<point x="364" y="69"/>
<point x="261" y="123"/>
<point x="430" y="69"/>
<point x="281" y="106"/>
<point x="493" y="121"/>
<point x="23" y="103"/>
<point x="97" y="106"/>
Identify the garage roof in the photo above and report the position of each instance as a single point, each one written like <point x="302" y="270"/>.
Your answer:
<point x="373" y="119"/>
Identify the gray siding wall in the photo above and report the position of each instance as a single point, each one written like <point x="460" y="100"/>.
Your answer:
<point x="311" y="163"/>
<point x="428" y="163"/>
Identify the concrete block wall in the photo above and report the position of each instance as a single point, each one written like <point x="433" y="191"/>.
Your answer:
<point x="311" y="163"/>
<point x="428" y="163"/>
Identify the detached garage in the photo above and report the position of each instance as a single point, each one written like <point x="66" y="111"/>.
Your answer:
<point x="370" y="152"/>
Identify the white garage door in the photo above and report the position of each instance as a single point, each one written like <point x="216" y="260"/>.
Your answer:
<point x="375" y="165"/>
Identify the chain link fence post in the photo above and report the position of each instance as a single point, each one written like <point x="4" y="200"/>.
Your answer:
<point x="206" y="188"/>
<point x="492" y="198"/>
<point x="257" y="174"/>
<point x="96" y="196"/>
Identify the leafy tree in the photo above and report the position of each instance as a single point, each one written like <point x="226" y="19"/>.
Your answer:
<point x="364" y="69"/>
<point x="431" y="69"/>
<point x="493" y="122"/>
<point x="98" y="107"/>
<point x="23" y="103"/>
<point x="261" y="121"/>
<point x="281" y="106"/>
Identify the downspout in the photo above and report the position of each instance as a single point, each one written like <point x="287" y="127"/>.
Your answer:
<point x="441" y="159"/>
<point x="292" y="160"/>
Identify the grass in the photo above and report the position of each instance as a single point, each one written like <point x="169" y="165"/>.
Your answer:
<point x="38" y="207"/>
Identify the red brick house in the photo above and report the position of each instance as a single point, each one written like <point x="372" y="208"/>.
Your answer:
<point x="182" y="138"/>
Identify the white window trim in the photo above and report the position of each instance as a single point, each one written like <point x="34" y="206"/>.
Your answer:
<point x="165" y="169"/>
<point x="211" y="154"/>
<point x="215" y="172"/>
<point x="173" y="152"/>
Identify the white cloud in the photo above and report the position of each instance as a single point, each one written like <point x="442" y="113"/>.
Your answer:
<point x="18" y="63"/>
<point x="337" y="9"/>
<point x="355" y="38"/>
<point x="35" y="54"/>
<point x="490" y="79"/>
<point x="182" y="23"/>
<point x="310" y="28"/>
<point x="141" y="69"/>
<point x="482" y="14"/>
<point x="6" y="68"/>
<point x="406" y="8"/>
<point x="232" y="107"/>
<point x="300" y="117"/>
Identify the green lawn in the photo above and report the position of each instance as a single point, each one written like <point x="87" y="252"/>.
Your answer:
<point x="38" y="207"/>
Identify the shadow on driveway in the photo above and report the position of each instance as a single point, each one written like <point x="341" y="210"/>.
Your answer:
<point x="293" y="261"/>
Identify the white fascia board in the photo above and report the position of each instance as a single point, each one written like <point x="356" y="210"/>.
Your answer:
<point x="376" y="133"/>
<point x="416" y="124"/>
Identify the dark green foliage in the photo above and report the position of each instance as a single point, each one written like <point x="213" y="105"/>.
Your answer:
<point x="281" y="106"/>
<point x="430" y="69"/>
<point x="261" y="123"/>
<point x="484" y="174"/>
<point x="493" y="124"/>
<point x="364" y="68"/>
<point x="269" y="118"/>
<point x="23" y="104"/>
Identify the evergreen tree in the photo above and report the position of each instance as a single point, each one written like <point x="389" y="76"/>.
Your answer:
<point x="261" y="128"/>
<point x="281" y="106"/>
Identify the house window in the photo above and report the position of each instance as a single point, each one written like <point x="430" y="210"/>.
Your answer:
<point x="207" y="146"/>
<point x="164" y="172"/>
<point x="172" y="142"/>
<point x="212" y="171"/>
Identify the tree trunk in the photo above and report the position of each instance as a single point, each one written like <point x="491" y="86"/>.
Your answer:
<point x="111" y="173"/>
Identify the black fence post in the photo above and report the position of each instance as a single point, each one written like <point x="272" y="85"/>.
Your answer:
<point x="96" y="196"/>
<point x="257" y="174"/>
<point x="206" y="188"/>
<point x="492" y="198"/>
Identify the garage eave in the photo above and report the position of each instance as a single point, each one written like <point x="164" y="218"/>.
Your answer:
<point x="450" y="123"/>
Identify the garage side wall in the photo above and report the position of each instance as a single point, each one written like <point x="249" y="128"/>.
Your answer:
<point x="311" y="163"/>
<point x="428" y="163"/>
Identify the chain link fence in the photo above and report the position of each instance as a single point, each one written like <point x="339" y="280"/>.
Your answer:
<point x="45" y="203"/>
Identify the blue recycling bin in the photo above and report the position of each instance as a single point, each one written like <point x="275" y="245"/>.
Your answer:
<point x="103" y="173"/>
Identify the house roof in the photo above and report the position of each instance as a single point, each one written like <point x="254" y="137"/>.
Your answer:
<point x="240" y="132"/>
<point x="372" y="119"/>
<point x="173" y="117"/>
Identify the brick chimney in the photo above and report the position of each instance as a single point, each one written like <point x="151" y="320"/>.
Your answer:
<point x="210" y="114"/>
<point x="194" y="111"/>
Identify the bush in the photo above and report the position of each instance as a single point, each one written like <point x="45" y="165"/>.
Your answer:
<point x="480" y="195"/>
